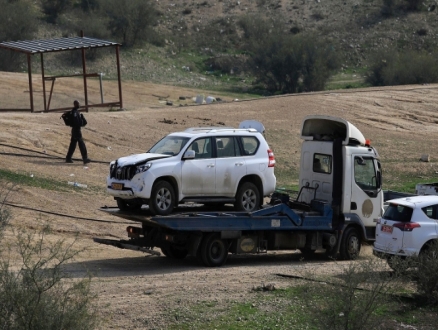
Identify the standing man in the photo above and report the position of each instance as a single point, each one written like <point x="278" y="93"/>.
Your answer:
<point x="76" y="120"/>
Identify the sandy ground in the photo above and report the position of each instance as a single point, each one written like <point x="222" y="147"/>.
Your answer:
<point x="135" y="291"/>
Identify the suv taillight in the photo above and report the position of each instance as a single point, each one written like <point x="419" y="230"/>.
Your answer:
<point x="406" y="226"/>
<point x="271" y="162"/>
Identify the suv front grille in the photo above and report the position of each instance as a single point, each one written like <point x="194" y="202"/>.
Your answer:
<point x="123" y="173"/>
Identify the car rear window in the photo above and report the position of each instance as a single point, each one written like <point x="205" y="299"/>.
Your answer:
<point x="397" y="212"/>
<point x="250" y="145"/>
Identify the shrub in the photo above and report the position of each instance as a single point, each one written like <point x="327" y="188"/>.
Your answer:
<point x="35" y="292"/>
<point x="426" y="274"/>
<point x="17" y="22"/>
<point x="352" y="302"/>
<point x="89" y="5"/>
<point x="391" y="68"/>
<point x="54" y="8"/>
<point x="130" y="21"/>
<point x="287" y="63"/>
<point x="388" y="8"/>
<point x="414" y="4"/>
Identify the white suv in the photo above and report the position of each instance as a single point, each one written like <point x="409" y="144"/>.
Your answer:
<point x="408" y="227"/>
<point x="204" y="165"/>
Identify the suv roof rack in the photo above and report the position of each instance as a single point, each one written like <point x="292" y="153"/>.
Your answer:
<point x="217" y="129"/>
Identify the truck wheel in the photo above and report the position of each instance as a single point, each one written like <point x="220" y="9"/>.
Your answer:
<point x="350" y="244"/>
<point x="214" y="250"/>
<point x="247" y="198"/>
<point x="124" y="205"/>
<point x="162" y="199"/>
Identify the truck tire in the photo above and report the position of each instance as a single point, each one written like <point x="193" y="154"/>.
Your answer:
<point x="350" y="244"/>
<point x="162" y="199"/>
<point x="247" y="198"/>
<point x="214" y="250"/>
<point x="125" y="205"/>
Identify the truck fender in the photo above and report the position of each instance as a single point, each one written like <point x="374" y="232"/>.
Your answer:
<point x="355" y="220"/>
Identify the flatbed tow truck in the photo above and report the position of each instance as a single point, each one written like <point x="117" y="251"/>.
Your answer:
<point x="338" y="203"/>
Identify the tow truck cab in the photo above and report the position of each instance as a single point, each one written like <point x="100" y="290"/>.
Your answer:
<point x="339" y="165"/>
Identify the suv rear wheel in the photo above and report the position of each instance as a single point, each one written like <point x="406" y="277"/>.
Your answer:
<point x="247" y="198"/>
<point x="162" y="199"/>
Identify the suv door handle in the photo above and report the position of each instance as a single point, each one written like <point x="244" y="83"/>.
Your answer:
<point x="210" y="165"/>
<point x="239" y="164"/>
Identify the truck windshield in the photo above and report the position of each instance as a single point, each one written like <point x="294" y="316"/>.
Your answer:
<point x="365" y="173"/>
<point x="169" y="145"/>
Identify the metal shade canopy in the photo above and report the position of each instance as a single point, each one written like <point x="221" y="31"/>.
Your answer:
<point x="32" y="47"/>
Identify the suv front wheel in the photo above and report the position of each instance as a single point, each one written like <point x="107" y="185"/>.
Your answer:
<point x="162" y="199"/>
<point x="247" y="198"/>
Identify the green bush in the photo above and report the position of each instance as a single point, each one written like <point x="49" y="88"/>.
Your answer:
<point x="426" y="274"/>
<point x="392" y="68"/>
<point x="35" y="291"/>
<point x="54" y="8"/>
<point x="414" y="4"/>
<point x="287" y="63"/>
<point x="352" y="303"/>
<point x="18" y="21"/>
<point x="130" y="21"/>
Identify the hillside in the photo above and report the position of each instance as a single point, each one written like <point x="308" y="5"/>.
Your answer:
<point x="196" y="31"/>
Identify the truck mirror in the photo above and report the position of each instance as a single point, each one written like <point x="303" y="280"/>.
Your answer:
<point x="379" y="179"/>
<point x="360" y="161"/>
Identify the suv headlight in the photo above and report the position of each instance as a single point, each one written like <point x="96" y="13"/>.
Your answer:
<point x="143" y="168"/>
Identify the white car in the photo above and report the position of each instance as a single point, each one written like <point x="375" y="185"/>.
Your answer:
<point x="213" y="165"/>
<point x="407" y="228"/>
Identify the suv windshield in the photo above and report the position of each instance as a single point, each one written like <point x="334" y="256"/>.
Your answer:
<point x="169" y="145"/>
<point x="397" y="212"/>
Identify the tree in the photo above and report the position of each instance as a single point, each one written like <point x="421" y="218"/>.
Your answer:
<point x="389" y="68"/>
<point x="17" y="22"/>
<point x="286" y="63"/>
<point x="130" y="20"/>
<point x="54" y="8"/>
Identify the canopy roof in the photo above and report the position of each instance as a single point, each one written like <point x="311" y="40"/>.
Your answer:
<point x="32" y="47"/>
<point x="55" y="45"/>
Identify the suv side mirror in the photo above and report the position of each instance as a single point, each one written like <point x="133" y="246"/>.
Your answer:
<point x="189" y="154"/>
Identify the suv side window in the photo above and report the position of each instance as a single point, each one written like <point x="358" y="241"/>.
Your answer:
<point x="227" y="147"/>
<point x="431" y="211"/>
<point x="250" y="145"/>
<point x="202" y="148"/>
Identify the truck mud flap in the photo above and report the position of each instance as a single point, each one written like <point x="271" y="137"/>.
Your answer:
<point x="124" y="245"/>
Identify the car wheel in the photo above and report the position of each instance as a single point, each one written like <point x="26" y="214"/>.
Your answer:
<point x="162" y="199"/>
<point x="350" y="244"/>
<point x="125" y="205"/>
<point x="247" y="198"/>
<point x="213" y="250"/>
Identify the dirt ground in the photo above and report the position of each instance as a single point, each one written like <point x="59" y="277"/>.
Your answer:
<point x="135" y="290"/>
